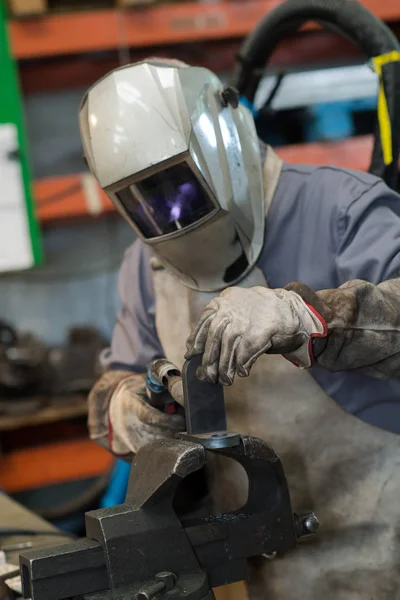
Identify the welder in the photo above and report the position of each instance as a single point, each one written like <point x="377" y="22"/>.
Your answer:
<point x="180" y="159"/>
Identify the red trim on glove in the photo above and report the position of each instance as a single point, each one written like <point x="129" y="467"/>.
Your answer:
<point x="316" y="335"/>
<point x="312" y="336"/>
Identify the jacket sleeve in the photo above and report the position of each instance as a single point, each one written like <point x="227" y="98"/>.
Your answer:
<point x="135" y="341"/>
<point x="363" y="322"/>
<point x="364" y="319"/>
<point x="368" y="233"/>
<point x="134" y="344"/>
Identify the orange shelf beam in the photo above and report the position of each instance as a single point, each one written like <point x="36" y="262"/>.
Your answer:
<point x="31" y="468"/>
<point x="353" y="153"/>
<point x="69" y="197"/>
<point x="80" y="32"/>
<point x="66" y="72"/>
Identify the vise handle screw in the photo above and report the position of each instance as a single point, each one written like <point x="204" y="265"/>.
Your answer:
<point x="166" y="582"/>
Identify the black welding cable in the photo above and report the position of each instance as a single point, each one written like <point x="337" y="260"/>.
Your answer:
<point x="350" y="19"/>
<point x="80" y="503"/>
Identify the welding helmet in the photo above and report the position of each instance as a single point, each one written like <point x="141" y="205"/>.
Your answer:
<point x="179" y="158"/>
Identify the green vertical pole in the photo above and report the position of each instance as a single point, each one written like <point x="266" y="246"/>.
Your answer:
<point x="11" y="111"/>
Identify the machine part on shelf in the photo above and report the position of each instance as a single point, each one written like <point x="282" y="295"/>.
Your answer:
<point x="142" y="549"/>
<point x="29" y="368"/>
<point x="23" y="364"/>
<point x="355" y="22"/>
<point x="75" y="365"/>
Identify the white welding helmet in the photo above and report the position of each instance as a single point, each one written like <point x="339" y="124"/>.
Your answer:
<point x="180" y="160"/>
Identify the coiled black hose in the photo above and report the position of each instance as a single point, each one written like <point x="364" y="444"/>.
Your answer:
<point x="81" y="503"/>
<point x="348" y="18"/>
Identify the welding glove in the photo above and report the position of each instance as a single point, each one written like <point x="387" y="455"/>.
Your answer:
<point x="241" y="324"/>
<point x="120" y="418"/>
<point x="363" y="323"/>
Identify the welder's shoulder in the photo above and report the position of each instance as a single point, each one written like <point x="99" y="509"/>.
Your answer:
<point x="334" y="190"/>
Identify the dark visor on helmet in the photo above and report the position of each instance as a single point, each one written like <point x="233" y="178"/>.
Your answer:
<point x="166" y="201"/>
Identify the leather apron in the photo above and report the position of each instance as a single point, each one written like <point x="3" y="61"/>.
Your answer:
<point x="345" y="470"/>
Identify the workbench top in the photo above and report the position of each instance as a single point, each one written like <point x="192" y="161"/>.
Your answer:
<point x="13" y="515"/>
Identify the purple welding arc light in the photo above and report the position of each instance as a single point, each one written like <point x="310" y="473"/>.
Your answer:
<point x="184" y="202"/>
<point x="169" y="201"/>
<point x="173" y="208"/>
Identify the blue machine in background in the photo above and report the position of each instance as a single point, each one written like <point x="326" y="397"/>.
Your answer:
<point x="334" y="120"/>
<point x="116" y="490"/>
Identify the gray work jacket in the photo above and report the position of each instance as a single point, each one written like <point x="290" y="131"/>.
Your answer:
<point x="325" y="225"/>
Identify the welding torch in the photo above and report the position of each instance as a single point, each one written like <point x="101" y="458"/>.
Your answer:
<point x="164" y="386"/>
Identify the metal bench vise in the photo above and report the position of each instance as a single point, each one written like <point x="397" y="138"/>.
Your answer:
<point x="141" y="549"/>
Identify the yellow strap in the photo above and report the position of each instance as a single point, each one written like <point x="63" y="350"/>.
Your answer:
<point x="383" y="111"/>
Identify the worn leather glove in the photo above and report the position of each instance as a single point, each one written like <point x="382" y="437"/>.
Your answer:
<point x="241" y="324"/>
<point x="363" y="322"/>
<point x="120" y="418"/>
